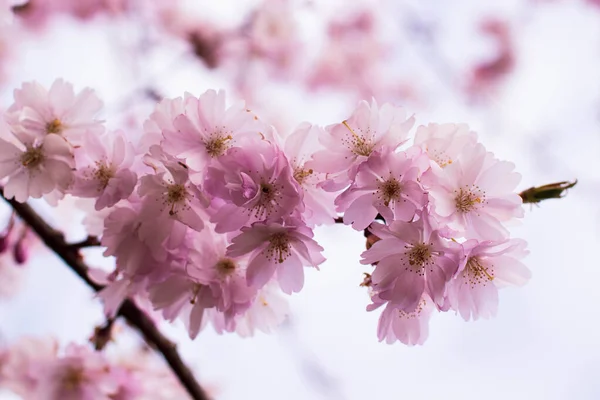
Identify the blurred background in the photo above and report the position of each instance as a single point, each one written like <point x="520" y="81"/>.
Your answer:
<point x="524" y="74"/>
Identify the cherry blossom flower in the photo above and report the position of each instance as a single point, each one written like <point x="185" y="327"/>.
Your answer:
<point x="38" y="112"/>
<point x="277" y="249"/>
<point x="254" y="183"/>
<point x="476" y="194"/>
<point x="160" y="120"/>
<point x="183" y="293"/>
<point x="103" y="169"/>
<point x="18" y="364"/>
<point x="226" y="276"/>
<point x="486" y="267"/>
<point x="410" y="328"/>
<point x="266" y="313"/>
<point x="207" y="129"/>
<point x="299" y="147"/>
<point x="37" y="168"/>
<point x="443" y="143"/>
<point x="412" y="259"/>
<point x="80" y="374"/>
<point x="171" y="203"/>
<point x="121" y="239"/>
<point x="370" y="129"/>
<point x="386" y="185"/>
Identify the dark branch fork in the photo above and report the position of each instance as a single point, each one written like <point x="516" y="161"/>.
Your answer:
<point x="69" y="253"/>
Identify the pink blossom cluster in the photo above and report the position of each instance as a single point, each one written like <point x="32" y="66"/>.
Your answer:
<point x="35" y="368"/>
<point x="210" y="214"/>
<point x="444" y="202"/>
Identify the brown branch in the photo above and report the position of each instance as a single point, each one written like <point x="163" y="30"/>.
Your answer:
<point x="90" y="241"/>
<point x="136" y="317"/>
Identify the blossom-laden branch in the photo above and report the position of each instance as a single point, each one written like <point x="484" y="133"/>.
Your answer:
<point x="533" y="195"/>
<point x="136" y="317"/>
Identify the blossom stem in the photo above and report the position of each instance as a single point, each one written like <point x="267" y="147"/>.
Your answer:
<point x="136" y="317"/>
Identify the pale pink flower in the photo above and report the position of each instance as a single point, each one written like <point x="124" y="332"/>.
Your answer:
<point x="104" y="169"/>
<point x="38" y="112"/>
<point x="267" y="312"/>
<point x="486" y="267"/>
<point x="81" y="374"/>
<point x="18" y="364"/>
<point x="121" y="239"/>
<point x="226" y="276"/>
<point x="476" y="194"/>
<point x="410" y="328"/>
<point x="370" y="129"/>
<point x="387" y="185"/>
<point x="277" y="250"/>
<point x="412" y="259"/>
<point x="299" y="147"/>
<point x="36" y="168"/>
<point x="254" y="183"/>
<point x="182" y="293"/>
<point x="161" y="120"/>
<point x="171" y="204"/>
<point x="443" y="143"/>
<point x="208" y="129"/>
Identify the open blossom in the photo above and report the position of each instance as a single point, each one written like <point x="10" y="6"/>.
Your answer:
<point x="18" y="364"/>
<point x="36" y="168"/>
<point x="182" y="293"/>
<point x="476" y="194"/>
<point x="412" y="259"/>
<point x="207" y="129"/>
<point x="121" y="239"/>
<point x="266" y="313"/>
<point x="410" y="328"/>
<point x="160" y="120"/>
<point x="171" y="202"/>
<point x="253" y="183"/>
<point x="443" y="143"/>
<point x="370" y="129"/>
<point x="80" y="374"/>
<point x="277" y="250"/>
<point x="486" y="267"/>
<point x="38" y="112"/>
<point x="226" y="276"/>
<point x="387" y="185"/>
<point x="299" y="147"/>
<point x="103" y="169"/>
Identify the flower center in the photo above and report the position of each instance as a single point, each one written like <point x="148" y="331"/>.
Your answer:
<point x="358" y="144"/>
<point x="54" y="126"/>
<point x="73" y="378"/>
<point x="300" y="174"/>
<point x="226" y="266"/>
<point x="419" y="255"/>
<point x="389" y="190"/>
<point x="32" y="157"/>
<point x="468" y="199"/>
<point x="440" y="157"/>
<point x="217" y="146"/>
<point x="265" y="204"/>
<point x="103" y="174"/>
<point x="413" y="314"/>
<point x="279" y="247"/>
<point x="176" y="193"/>
<point x="476" y="274"/>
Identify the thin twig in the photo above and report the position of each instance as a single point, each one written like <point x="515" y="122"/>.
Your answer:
<point x="136" y="317"/>
<point x="90" y="241"/>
